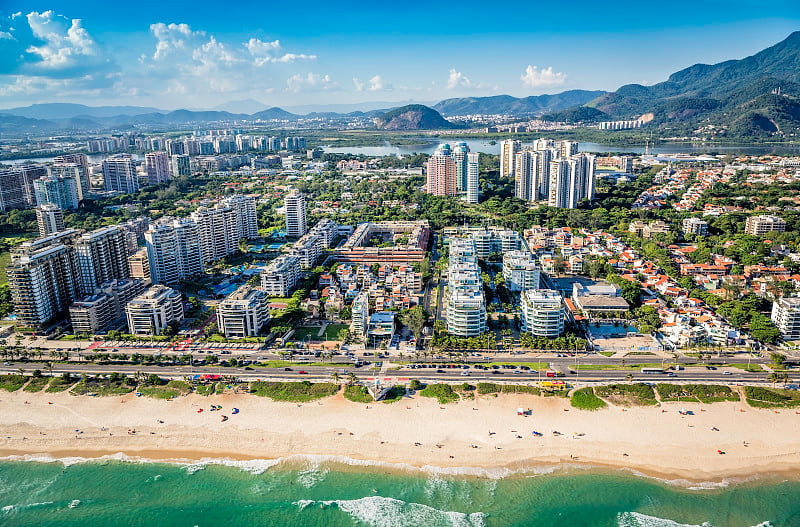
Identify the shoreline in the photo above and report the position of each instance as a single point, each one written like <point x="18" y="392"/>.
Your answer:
<point x="482" y="438"/>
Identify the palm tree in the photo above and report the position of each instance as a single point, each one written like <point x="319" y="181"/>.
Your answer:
<point x="335" y="376"/>
<point x="351" y="379"/>
<point x="49" y="366"/>
<point x="629" y="377"/>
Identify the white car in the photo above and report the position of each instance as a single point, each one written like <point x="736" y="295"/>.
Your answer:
<point x="465" y="373"/>
<point x="726" y="372"/>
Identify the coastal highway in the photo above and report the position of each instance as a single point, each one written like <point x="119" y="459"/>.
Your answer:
<point x="317" y="373"/>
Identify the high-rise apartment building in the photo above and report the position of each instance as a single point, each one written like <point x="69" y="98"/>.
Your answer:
<point x="559" y="184"/>
<point x="571" y="180"/>
<point x="460" y="151"/>
<point x="181" y="165"/>
<point x="30" y="173"/>
<point x="243" y="313"/>
<point x="465" y="304"/>
<point x="157" y="167"/>
<point x="49" y="219"/>
<point x="441" y="177"/>
<point x="360" y="315"/>
<point x="568" y="148"/>
<point x="82" y="177"/>
<point x="542" y="313"/>
<point x="473" y="170"/>
<point x="61" y="191"/>
<point x="105" y="307"/>
<point x="75" y="171"/>
<point x="139" y="265"/>
<point x="13" y="194"/>
<point x="173" y="250"/>
<point x="218" y="231"/>
<point x="527" y="176"/>
<point x="119" y="174"/>
<point x="102" y="256"/>
<point x="151" y="312"/>
<point x="508" y="151"/>
<point x="294" y="205"/>
<point x="521" y="271"/>
<point x="786" y="317"/>
<point x="281" y="275"/>
<point x="43" y="277"/>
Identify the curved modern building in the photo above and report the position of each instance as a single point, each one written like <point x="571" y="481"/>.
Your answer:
<point x="542" y="313"/>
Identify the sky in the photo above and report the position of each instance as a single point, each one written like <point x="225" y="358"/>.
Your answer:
<point x="201" y="54"/>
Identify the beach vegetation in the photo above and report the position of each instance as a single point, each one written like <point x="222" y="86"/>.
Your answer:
<point x="442" y="392"/>
<point x="636" y="394"/>
<point x="112" y="384"/>
<point x="302" y="391"/>
<point x="357" y="394"/>
<point x="60" y="384"/>
<point x="759" y="397"/>
<point x="415" y="384"/>
<point x="36" y="384"/>
<point x="585" y="399"/>
<point x="394" y="395"/>
<point x="170" y="390"/>
<point x="704" y="393"/>
<point x="493" y="388"/>
<point x="12" y="382"/>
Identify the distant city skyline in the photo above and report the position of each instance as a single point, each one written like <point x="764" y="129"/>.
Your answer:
<point x="203" y="55"/>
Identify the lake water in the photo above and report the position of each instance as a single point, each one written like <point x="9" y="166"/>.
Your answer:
<point x="427" y="146"/>
<point x="325" y="494"/>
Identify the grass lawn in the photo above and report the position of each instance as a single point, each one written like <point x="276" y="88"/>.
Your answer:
<point x="585" y="399"/>
<point x="311" y="332"/>
<point x="627" y="367"/>
<point x="290" y="364"/>
<point x="746" y="367"/>
<point x="299" y="392"/>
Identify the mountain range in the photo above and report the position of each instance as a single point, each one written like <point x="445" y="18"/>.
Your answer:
<point x="754" y="96"/>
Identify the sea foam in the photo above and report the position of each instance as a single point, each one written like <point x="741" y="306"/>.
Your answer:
<point x="378" y="511"/>
<point x="637" y="519"/>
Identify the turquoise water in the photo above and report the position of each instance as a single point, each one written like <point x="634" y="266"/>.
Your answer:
<point x="116" y="493"/>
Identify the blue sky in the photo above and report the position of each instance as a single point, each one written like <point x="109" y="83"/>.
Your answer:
<point x="201" y="54"/>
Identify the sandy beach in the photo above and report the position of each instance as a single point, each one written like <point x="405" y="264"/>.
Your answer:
<point x="485" y="435"/>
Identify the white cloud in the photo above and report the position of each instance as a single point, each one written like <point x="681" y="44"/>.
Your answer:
<point x="374" y="84"/>
<point x="310" y="82"/>
<point x="6" y="35"/>
<point x="65" y="42"/>
<point x="174" y="38"/>
<point x="267" y="52"/>
<point x="537" y="78"/>
<point x="457" y="80"/>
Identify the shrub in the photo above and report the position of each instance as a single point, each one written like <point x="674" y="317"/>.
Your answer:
<point x="585" y="399"/>
<point x="442" y="392"/>
<point x="357" y="394"/>
<point x="302" y="391"/>
<point x="415" y="385"/>
<point x="12" y="382"/>
<point x="770" y="398"/>
<point x="632" y="394"/>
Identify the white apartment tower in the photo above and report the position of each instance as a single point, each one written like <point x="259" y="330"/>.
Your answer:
<point x="151" y="312"/>
<point x="102" y="256"/>
<point x="243" y="313"/>
<point x="508" y="151"/>
<point x="295" y="206"/>
<point x="473" y="168"/>
<point x="49" y="219"/>
<point x="542" y="313"/>
<point x="157" y="167"/>
<point x="119" y="174"/>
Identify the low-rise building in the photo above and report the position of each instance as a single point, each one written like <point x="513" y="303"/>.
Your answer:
<point x="695" y="226"/>
<point x="151" y="312"/>
<point x="761" y="225"/>
<point x="243" y="313"/>
<point x="596" y="298"/>
<point x="647" y="230"/>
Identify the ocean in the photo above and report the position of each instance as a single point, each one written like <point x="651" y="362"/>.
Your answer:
<point x="319" y="492"/>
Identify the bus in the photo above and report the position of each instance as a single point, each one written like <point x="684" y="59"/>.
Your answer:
<point x="652" y="370"/>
